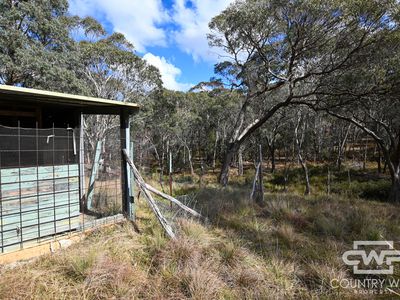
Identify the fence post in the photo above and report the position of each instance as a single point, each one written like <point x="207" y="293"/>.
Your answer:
<point x="82" y="189"/>
<point x="127" y="193"/>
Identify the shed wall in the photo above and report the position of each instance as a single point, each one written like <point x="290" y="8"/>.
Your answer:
<point x="39" y="184"/>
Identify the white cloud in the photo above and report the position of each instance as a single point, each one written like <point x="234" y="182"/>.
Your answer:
<point x="142" y="21"/>
<point x="193" y="22"/>
<point x="138" y="20"/>
<point x="169" y="72"/>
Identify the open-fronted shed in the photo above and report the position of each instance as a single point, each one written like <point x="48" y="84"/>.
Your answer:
<point x="45" y="189"/>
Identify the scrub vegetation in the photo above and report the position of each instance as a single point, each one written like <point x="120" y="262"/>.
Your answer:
<point x="289" y="248"/>
<point x="292" y="149"/>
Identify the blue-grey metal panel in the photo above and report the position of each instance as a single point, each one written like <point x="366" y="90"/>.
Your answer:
<point x="37" y="202"/>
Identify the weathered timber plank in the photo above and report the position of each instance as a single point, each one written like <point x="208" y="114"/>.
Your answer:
<point x="45" y="201"/>
<point x="41" y="173"/>
<point x="11" y="222"/>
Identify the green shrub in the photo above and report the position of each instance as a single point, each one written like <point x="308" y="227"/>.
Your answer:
<point x="375" y="190"/>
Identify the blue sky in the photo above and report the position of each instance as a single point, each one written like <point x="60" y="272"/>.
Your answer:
<point x="170" y="34"/>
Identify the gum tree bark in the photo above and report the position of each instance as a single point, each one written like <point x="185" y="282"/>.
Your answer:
<point x="299" y="142"/>
<point x="341" y="147"/>
<point x="240" y="162"/>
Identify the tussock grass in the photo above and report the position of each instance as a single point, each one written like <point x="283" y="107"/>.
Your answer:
<point x="118" y="263"/>
<point x="288" y="249"/>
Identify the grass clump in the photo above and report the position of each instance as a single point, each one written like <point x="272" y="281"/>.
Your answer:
<point x="288" y="249"/>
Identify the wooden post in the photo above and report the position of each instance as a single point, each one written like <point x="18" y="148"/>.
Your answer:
<point x="127" y="192"/>
<point x="164" y="223"/>
<point x="131" y="187"/>
<point x="170" y="175"/>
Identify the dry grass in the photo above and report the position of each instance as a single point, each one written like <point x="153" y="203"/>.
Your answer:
<point x="117" y="263"/>
<point x="288" y="249"/>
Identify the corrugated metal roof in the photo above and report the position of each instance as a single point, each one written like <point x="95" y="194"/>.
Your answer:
<point x="8" y="92"/>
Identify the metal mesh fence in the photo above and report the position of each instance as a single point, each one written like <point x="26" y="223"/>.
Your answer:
<point x="102" y="164"/>
<point x="26" y="147"/>
<point x="42" y="192"/>
<point x="39" y="184"/>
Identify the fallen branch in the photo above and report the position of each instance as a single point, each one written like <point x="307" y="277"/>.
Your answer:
<point x="164" y="223"/>
<point x="173" y="200"/>
<point x="167" y="197"/>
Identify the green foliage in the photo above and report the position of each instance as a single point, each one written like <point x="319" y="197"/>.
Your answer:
<point x="113" y="70"/>
<point x="36" y="49"/>
<point x="338" y="57"/>
<point x="376" y="190"/>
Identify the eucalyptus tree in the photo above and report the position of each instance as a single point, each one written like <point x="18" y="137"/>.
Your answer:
<point x="289" y="47"/>
<point x="36" y="48"/>
<point x="214" y="109"/>
<point x="375" y="110"/>
<point x="368" y="96"/>
<point x="272" y="132"/>
<point x="112" y="70"/>
<point x="300" y="131"/>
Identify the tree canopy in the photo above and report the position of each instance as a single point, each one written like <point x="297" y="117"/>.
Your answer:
<point x="300" y="77"/>
<point x="286" y="52"/>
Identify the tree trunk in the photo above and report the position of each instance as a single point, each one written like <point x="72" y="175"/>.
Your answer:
<point x="286" y="172"/>
<point x="230" y="153"/>
<point x="300" y="158"/>
<point x="215" y="149"/>
<point x="306" y="176"/>
<point x="240" y="162"/>
<point x="272" y="153"/>
<point x="190" y="159"/>
<point x="271" y="149"/>
<point x="240" y="134"/>
<point x="392" y="161"/>
<point x="342" y="145"/>
<point x="257" y="193"/>
<point x="395" y="190"/>
<point x="379" y="160"/>
<point x="260" y="196"/>
<point x="190" y="162"/>
<point x="365" y="155"/>
<point x="161" y="164"/>
<point x="328" y="187"/>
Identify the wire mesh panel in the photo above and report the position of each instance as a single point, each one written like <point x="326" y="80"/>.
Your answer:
<point x="39" y="184"/>
<point x="102" y="167"/>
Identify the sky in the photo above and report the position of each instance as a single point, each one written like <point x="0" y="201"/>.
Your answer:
<point x="169" y="34"/>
